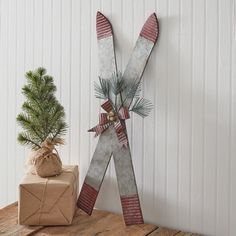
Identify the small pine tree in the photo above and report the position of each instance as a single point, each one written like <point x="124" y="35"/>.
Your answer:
<point x="43" y="117"/>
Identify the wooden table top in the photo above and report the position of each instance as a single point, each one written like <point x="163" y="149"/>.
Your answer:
<point x="101" y="223"/>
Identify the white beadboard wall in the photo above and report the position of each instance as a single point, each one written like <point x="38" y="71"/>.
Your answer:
<point x="184" y="153"/>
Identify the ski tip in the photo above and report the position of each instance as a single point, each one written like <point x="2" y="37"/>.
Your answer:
<point x="103" y="25"/>
<point x="150" y="29"/>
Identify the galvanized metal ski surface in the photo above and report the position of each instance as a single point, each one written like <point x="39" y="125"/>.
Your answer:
<point x="142" y="50"/>
<point x="108" y="143"/>
<point x="103" y="151"/>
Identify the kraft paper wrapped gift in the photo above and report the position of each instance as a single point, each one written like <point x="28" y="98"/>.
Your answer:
<point x="48" y="201"/>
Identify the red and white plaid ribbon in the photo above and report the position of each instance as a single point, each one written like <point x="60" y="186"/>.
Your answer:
<point x="119" y="125"/>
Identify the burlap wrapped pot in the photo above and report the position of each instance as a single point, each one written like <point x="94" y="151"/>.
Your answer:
<point x="47" y="162"/>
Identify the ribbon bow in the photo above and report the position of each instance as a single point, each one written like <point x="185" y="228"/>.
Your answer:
<point x="111" y="118"/>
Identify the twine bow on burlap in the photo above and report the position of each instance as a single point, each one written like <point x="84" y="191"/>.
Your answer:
<point x="113" y="118"/>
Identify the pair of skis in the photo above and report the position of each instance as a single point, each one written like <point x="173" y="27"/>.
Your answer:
<point x="109" y="142"/>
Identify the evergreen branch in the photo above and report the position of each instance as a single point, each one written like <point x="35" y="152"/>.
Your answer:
<point x="24" y="139"/>
<point x="58" y="113"/>
<point x="61" y="129"/>
<point x="98" y="91"/>
<point x="131" y="91"/>
<point x="41" y="71"/>
<point x="142" y="107"/>
<point x="32" y="96"/>
<point x="101" y="89"/>
<point x="116" y="83"/>
<point x="29" y="108"/>
<point x="27" y="124"/>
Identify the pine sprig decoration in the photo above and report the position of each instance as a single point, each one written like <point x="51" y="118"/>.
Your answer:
<point x="42" y="116"/>
<point x="142" y="107"/>
<point x="131" y="91"/>
<point x="126" y="94"/>
<point x="102" y="89"/>
<point x="116" y="83"/>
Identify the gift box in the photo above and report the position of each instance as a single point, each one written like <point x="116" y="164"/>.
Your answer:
<point x="48" y="201"/>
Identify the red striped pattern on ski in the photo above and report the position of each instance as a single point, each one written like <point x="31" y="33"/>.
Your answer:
<point x="104" y="28"/>
<point x="150" y="29"/>
<point x="98" y="129"/>
<point x="131" y="210"/>
<point x="124" y="113"/>
<point x="121" y="134"/>
<point x="119" y="127"/>
<point x="87" y="198"/>
<point x="122" y="139"/>
<point x="107" y="106"/>
<point x="103" y="119"/>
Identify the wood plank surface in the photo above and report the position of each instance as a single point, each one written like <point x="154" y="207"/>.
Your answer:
<point x="186" y="234"/>
<point x="164" y="232"/>
<point x="9" y="225"/>
<point x="100" y="223"/>
<point x="170" y="232"/>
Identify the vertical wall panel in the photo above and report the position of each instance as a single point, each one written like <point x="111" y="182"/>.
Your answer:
<point x="85" y="38"/>
<point x="172" y="111"/>
<point x="4" y="104"/>
<point x="56" y="44"/>
<point x="198" y="99"/>
<point x="66" y="71"/>
<point x="161" y="113"/>
<point x="47" y="35"/>
<point x="12" y="82"/>
<point x="210" y="151"/>
<point x="185" y="113"/>
<point x="184" y="152"/>
<point x="29" y="38"/>
<point x="232" y="203"/>
<point x="38" y="32"/>
<point x="75" y="82"/>
<point x="19" y="71"/>
<point x="223" y="122"/>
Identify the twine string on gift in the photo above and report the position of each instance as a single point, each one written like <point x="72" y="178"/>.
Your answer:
<point x="43" y="199"/>
<point x="113" y="118"/>
<point x="66" y="171"/>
